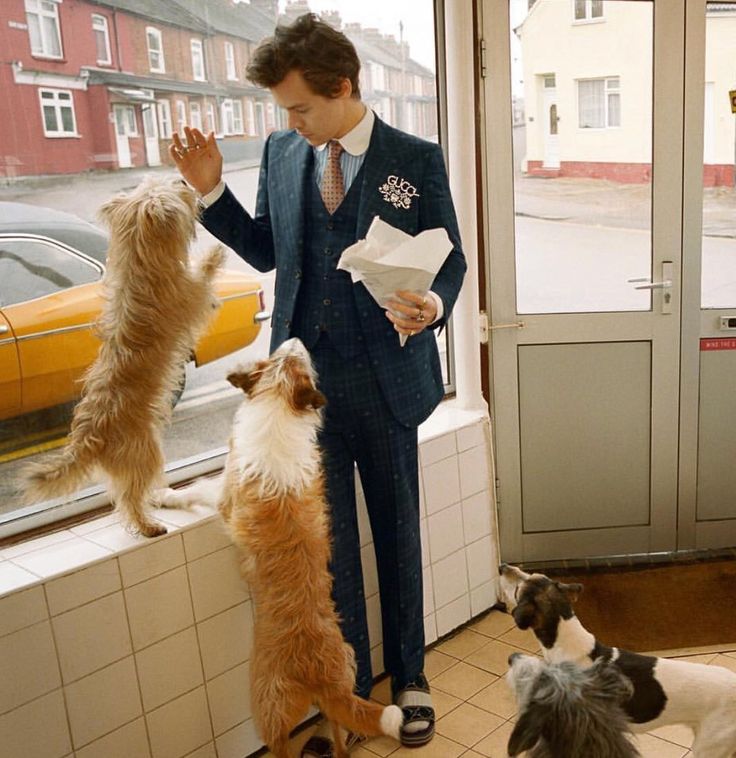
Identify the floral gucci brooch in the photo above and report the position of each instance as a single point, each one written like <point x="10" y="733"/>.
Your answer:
<point x="398" y="192"/>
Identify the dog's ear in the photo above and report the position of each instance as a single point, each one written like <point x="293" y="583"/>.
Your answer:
<point x="571" y="591"/>
<point x="524" y="614"/>
<point x="306" y="395"/>
<point x="107" y="210"/>
<point x="246" y="378"/>
<point x="528" y="729"/>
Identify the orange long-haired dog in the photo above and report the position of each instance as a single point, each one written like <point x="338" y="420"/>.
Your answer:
<point x="272" y="500"/>
<point x="155" y="308"/>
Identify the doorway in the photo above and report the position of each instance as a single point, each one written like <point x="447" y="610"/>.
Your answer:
<point x="596" y="387"/>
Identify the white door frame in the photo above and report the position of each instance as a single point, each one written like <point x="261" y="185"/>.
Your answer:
<point x="121" y="140"/>
<point x="150" y="132"/>
<point x="662" y="330"/>
<point x="551" y="140"/>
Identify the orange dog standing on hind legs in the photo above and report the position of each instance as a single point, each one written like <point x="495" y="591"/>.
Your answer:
<point x="271" y="498"/>
<point x="156" y="307"/>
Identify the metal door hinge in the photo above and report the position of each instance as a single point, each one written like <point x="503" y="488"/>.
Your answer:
<point x="483" y="327"/>
<point x="482" y="44"/>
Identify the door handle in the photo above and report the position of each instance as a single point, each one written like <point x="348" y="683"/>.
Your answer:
<point x="645" y="283"/>
<point x="4" y="328"/>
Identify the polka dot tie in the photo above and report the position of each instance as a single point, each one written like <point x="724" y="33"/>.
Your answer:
<point x="333" y="190"/>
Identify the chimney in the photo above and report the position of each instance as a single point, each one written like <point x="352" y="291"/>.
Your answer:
<point x="269" y="8"/>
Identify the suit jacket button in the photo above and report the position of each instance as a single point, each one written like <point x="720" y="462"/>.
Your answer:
<point x="287" y="323"/>
<point x="297" y="275"/>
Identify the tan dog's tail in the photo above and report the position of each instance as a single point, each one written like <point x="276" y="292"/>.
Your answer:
<point x="363" y="716"/>
<point x="62" y="474"/>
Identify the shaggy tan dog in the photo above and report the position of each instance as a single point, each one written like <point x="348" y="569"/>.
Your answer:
<point x="155" y="308"/>
<point x="272" y="500"/>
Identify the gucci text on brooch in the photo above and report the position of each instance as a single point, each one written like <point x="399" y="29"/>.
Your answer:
<point x="398" y="192"/>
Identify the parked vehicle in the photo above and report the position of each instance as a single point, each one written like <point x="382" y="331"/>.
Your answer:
<point x="51" y="267"/>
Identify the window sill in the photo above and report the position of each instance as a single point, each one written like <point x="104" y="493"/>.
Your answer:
<point x="36" y="560"/>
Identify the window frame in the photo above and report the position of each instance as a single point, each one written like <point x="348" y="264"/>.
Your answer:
<point x="57" y="109"/>
<point x="588" y="17"/>
<point x="165" y="122"/>
<point x="231" y="70"/>
<point x="153" y="32"/>
<point x="607" y="91"/>
<point x="105" y="31"/>
<point x="196" y="48"/>
<point x="40" y="13"/>
<point x="195" y="122"/>
<point x="181" y="115"/>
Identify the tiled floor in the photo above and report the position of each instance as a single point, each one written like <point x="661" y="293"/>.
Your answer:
<point x="475" y="709"/>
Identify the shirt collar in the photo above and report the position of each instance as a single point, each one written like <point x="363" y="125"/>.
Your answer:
<point x="356" y="141"/>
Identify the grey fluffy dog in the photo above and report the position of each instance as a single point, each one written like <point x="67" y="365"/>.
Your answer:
<point x="569" y="712"/>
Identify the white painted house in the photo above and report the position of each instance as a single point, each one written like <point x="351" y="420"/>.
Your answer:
<point x="588" y="90"/>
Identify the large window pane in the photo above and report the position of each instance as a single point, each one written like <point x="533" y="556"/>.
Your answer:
<point x="94" y="144"/>
<point x="582" y="154"/>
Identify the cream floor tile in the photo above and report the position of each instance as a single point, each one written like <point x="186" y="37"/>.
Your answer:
<point x="462" y="680"/>
<point x="494" y="745"/>
<point x="439" y="747"/>
<point x="436" y="662"/>
<point x="471" y="754"/>
<point x="679" y="734"/>
<point x="653" y="747"/>
<point x="496" y="698"/>
<point x="494" y="624"/>
<point x="494" y="657"/>
<point x="463" y="644"/>
<point x="523" y="638"/>
<point x="444" y="703"/>
<point x="467" y="724"/>
<point x="726" y="661"/>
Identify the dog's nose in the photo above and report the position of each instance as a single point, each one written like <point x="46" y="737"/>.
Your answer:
<point x="502" y="567"/>
<point x="513" y="657"/>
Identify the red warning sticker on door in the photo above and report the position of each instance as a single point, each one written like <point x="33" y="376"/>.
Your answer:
<point x="718" y="343"/>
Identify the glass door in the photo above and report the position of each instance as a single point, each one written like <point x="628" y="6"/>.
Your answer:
<point x="584" y="270"/>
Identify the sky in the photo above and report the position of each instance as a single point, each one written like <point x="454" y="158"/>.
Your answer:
<point x="417" y="15"/>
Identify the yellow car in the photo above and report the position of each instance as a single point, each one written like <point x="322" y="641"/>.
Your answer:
<point x="51" y="264"/>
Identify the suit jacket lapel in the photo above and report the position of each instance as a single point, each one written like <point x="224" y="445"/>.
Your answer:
<point x="291" y="170"/>
<point x="381" y="160"/>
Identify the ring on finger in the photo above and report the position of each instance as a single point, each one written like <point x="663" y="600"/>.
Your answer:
<point x="411" y="333"/>
<point x="420" y="315"/>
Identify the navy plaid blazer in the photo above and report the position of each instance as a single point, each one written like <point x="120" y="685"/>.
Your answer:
<point x="410" y="377"/>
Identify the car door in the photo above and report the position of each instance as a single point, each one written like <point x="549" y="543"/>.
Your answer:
<point x="10" y="396"/>
<point x="51" y="299"/>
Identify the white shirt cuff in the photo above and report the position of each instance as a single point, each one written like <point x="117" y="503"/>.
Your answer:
<point x="213" y="195"/>
<point x="437" y="302"/>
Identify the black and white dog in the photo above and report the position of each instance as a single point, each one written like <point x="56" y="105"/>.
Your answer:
<point x="569" y="712"/>
<point x="665" y="691"/>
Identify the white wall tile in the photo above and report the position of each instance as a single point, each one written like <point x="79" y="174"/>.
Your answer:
<point x="483" y="597"/>
<point x="61" y="557"/>
<point x="169" y="669"/>
<point x="477" y="516"/>
<point x="428" y="590"/>
<point x="159" y="607"/>
<point x="424" y="537"/>
<point x="94" y="524"/>
<point x="181" y="726"/>
<point x="436" y="449"/>
<point x="453" y="615"/>
<point x="179" y="517"/>
<point x="30" y="546"/>
<point x="28" y="665"/>
<point x="226" y="639"/>
<point x="449" y="578"/>
<point x="205" y="538"/>
<point x="471" y="436"/>
<point x="130" y="741"/>
<point x="14" y="577"/>
<point x="239" y="741"/>
<point x="21" y="609"/>
<point x="373" y="613"/>
<point x="229" y="698"/>
<point x="370" y="572"/>
<point x="474" y="471"/>
<point x="92" y="636"/>
<point x="441" y="484"/>
<point x="36" y="730"/>
<point x="115" y="537"/>
<point x="430" y="629"/>
<point x="445" y="532"/>
<point x="216" y="582"/>
<point x="151" y="559"/>
<point x="482" y="562"/>
<point x="103" y="701"/>
<point x="82" y="586"/>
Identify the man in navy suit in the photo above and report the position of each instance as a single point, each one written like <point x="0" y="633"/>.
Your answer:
<point x="321" y="184"/>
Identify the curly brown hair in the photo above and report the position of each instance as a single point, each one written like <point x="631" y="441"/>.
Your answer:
<point x="324" y="56"/>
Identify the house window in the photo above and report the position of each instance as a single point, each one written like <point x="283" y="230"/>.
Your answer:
<point x="237" y="117"/>
<point x="125" y="121"/>
<point x="228" y="125"/>
<point x="57" y="109"/>
<point x="195" y="116"/>
<point x="378" y="76"/>
<point x="588" y="10"/>
<point x="181" y="116"/>
<point x="211" y="123"/>
<point x="102" y="39"/>
<point x="164" y="118"/>
<point x="250" y="118"/>
<point x="42" y="17"/>
<point x="599" y="103"/>
<point x="155" y="50"/>
<point x="197" y="60"/>
<point x="231" y="73"/>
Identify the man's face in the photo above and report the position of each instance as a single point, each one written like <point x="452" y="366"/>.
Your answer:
<point x="315" y="117"/>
